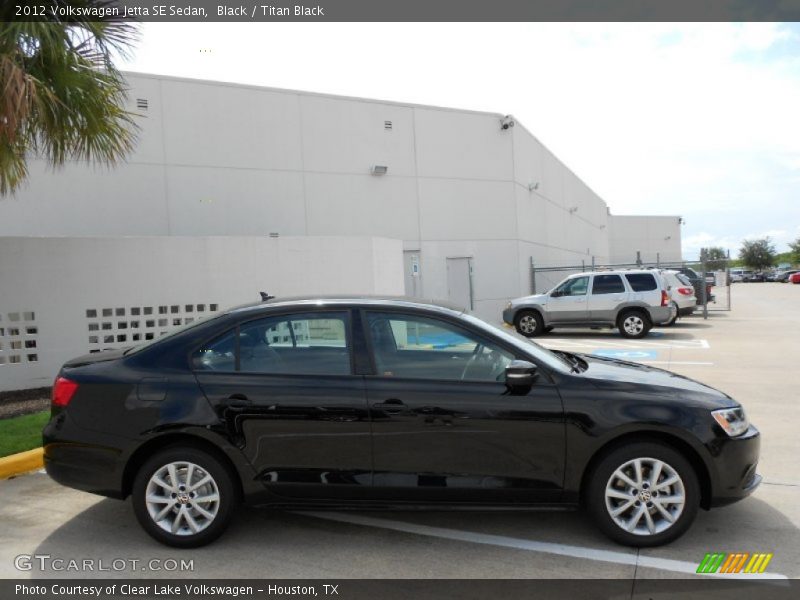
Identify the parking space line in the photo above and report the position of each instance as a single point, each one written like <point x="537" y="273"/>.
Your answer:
<point x="581" y="552"/>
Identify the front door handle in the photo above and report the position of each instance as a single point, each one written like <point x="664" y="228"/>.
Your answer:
<point x="237" y="401"/>
<point x="392" y="406"/>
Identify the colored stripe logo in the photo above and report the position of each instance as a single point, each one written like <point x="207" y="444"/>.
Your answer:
<point x="736" y="562"/>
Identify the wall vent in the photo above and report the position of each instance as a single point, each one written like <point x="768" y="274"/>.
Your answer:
<point x="141" y="103"/>
<point x="387" y="125"/>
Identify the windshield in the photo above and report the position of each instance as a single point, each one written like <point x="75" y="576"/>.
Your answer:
<point x="542" y="354"/>
<point x="174" y="332"/>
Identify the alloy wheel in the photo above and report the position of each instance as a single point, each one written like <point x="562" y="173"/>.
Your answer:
<point x="633" y="324"/>
<point x="182" y="498"/>
<point x="527" y="324"/>
<point x="645" y="496"/>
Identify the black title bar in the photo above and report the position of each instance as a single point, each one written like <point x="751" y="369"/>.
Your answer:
<point x="408" y="10"/>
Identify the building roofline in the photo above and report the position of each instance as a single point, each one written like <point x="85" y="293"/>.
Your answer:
<point x="264" y="88"/>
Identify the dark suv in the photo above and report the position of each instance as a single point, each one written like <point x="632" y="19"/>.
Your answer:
<point x="375" y="402"/>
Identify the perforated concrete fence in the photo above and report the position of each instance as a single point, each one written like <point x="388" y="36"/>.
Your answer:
<point x="65" y="297"/>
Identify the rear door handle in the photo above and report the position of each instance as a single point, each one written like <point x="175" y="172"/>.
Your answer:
<point x="237" y="401"/>
<point x="391" y="406"/>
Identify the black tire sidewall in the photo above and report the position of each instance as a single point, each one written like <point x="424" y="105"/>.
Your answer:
<point x="536" y="316"/>
<point x="594" y="497"/>
<point x="208" y="462"/>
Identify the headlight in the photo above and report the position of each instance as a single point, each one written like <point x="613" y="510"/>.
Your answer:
<point x="509" y="305"/>
<point x="732" y="420"/>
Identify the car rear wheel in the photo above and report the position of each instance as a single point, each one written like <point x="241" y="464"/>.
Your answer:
<point x="529" y="323"/>
<point x="184" y="497"/>
<point x="634" y="324"/>
<point x="643" y="494"/>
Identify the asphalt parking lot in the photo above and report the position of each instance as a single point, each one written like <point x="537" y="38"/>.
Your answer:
<point x="751" y="353"/>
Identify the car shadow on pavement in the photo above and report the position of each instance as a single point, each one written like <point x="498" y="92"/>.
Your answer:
<point x="277" y="544"/>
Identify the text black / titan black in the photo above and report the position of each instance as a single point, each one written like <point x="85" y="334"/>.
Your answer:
<point x="389" y="403"/>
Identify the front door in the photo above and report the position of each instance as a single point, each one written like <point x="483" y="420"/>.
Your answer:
<point x="568" y="302"/>
<point x="290" y="400"/>
<point x="446" y="428"/>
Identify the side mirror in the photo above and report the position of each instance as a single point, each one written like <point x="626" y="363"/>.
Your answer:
<point x="520" y="374"/>
<point x="555" y="294"/>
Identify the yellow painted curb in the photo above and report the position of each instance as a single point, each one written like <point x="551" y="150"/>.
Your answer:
<point x="16" y="464"/>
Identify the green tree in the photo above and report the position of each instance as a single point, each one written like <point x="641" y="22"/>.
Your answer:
<point x="61" y="97"/>
<point x="716" y="258"/>
<point x="757" y="254"/>
<point x="794" y="247"/>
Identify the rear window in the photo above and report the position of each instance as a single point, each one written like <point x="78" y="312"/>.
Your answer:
<point x="607" y="284"/>
<point x="683" y="279"/>
<point x="641" y="282"/>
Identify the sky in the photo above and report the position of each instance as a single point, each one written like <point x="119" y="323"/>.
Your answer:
<point x="696" y="120"/>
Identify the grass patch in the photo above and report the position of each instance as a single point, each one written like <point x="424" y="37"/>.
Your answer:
<point x="22" y="433"/>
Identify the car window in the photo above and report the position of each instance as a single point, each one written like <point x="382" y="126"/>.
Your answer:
<point x="576" y="286"/>
<point x="217" y="355"/>
<point x="301" y="344"/>
<point x="683" y="279"/>
<point x="411" y="346"/>
<point x="607" y="284"/>
<point x="641" y="282"/>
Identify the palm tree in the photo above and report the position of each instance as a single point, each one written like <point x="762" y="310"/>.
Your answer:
<point x="61" y="98"/>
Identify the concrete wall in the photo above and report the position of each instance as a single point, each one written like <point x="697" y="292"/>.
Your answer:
<point x="50" y="286"/>
<point x="657" y="238"/>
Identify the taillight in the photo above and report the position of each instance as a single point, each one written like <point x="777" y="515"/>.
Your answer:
<point x="686" y="291"/>
<point x="63" y="391"/>
<point x="664" y="298"/>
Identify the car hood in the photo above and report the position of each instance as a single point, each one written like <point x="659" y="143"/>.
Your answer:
<point x="535" y="299"/>
<point x="609" y="373"/>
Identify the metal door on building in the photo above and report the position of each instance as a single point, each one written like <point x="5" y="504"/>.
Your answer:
<point x="459" y="281"/>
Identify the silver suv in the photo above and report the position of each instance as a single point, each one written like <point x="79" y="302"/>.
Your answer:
<point x="631" y="300"/>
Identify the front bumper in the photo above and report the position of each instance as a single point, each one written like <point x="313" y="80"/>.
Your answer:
<point x="508" y="315"/>
<point x="735" y="461"/>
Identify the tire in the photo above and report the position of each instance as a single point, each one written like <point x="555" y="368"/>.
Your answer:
<point x="674" y="319"/>
<point x="180" y="461"/>
<point x="607" y="493"/>
<point x="529" y="323"/>
<point x="634" y="324"/>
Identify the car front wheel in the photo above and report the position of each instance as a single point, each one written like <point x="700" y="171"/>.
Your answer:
<point x="643" y="494"/>
<point x="529" y="323"/>
<point x="184" y="497"/>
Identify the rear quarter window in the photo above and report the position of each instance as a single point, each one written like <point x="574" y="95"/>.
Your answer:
<point x="641" y="282"/>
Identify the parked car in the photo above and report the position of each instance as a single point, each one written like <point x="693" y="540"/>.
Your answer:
<point x="754" y="277"/>
<point x="632" y="301"/>
<point x="737" y="275"/>
<point x="699" y="285"/>
<point x="681" y="293"/>
<point x="794" y="277"/>
<point x="783" y="276"/>
<point x="387" y="403"/>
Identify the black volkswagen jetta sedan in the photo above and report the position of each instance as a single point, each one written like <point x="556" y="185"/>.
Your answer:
<point x="389" y="403"/>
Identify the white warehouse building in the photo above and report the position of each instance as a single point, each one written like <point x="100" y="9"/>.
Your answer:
<point x="234" y="189"/>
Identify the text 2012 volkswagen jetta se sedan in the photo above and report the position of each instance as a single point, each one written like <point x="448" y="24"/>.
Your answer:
<point x="371" y="402"/>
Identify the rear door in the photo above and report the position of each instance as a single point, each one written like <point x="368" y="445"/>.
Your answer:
<point x="608" y="293"/>
<point x="286" y="389"/>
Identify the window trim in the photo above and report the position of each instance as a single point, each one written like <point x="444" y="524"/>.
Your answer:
<point x="347" y="312"/>
<point x="447" y="319"/>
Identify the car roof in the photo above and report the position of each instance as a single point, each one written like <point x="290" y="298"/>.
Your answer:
<point x="611" y="272"/>
<point x="345" y="300"/>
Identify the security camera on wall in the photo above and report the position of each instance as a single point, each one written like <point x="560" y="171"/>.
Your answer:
<point x="507" y="122"/>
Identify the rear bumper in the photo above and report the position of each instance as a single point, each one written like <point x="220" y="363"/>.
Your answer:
<point x="90" y="467"/>
<point x="736" y="460"/>
<point x="687" y="310"/>
<point x="663" y="314"/>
